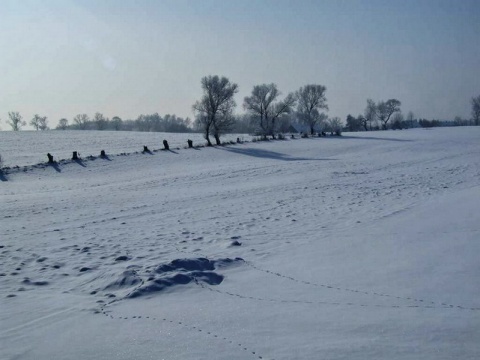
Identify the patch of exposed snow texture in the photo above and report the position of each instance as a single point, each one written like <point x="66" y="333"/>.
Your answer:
<point x="364" y="246"/>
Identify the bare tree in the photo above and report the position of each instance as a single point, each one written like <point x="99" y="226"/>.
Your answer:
<point x="116" y="123"/>
<point x="264" y="108"/>
<point x="43" y="123"/>
<point x="476" y="110"/>
<point x="334" y="125"/>
<point x="81" y="120"/>
<point x="398" y="121"/>
<point x="16" y="121"/>
<point x="385" y="110"/>
<point x="222" y="124"/>
<point x="62" y="124"/>
<point x="39" y="122"/>
<point x="311" y="99"/>
<point x="213" y="109"/>
<point x="100" y="121"/>
<point x="410" y="118"/>
<point x="369" y="115"/>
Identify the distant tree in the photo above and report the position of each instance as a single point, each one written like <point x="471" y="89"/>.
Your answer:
<point x="81" y="121"/>
<point x="16" y="121"/>
<point x="409" y="119"/>
<point x="385" y="109"/>
<point x="35" y="122"/>
<point x="243" y="125"/>
<point x="369" y="115"/>
<point x="39" y="122"/>
<point x="353" y="123"/>
<point x="476" y="110"/>
<point x="311" y="99"/>
<point x="334" y="125"/>
<point x="116" y="123"/>
<point x="62" y="124"/>
<point x="398" y="121"/>
<point x="264" y="108"/>
<point x="424" y="123"/>
<point x="215" y="106"/>
<point x="457" y="121"/>
<point x="43" y="123"/>
<point x="100" y="121"/>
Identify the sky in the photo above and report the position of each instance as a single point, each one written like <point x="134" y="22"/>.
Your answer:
<point x="125" y="58"/>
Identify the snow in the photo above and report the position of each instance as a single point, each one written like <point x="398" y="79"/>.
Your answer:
<point x="23" y="148"/>
<point x="364" y="246"/>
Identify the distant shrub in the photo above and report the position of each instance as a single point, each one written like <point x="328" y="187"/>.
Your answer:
<point x="281" y="137"/>
<point x="304" y="135"/>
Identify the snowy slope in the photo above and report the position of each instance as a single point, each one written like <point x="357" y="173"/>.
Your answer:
<point x="364" y="246"/>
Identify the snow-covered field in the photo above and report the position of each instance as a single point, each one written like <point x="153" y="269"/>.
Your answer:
<point x="31" y="147"/>
<point x="360" y="247"/>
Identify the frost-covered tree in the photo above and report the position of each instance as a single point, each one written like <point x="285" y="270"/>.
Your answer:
<point x="39" y="122"/>
<point x="222" y="124"/>
<point x="264" y="108"/>
<point x="476" y="110"/>
<point x="369" y="115"/>
<point x="311" y="100"/>
<point x="216" y="105"/>
<point x="354" y="123"/>
<point x="334" y="125"/>
<point x="81" y="121"/>
<point x="16" y="121"/>
<point x="116" y="123"/>
<point x="385" y="109"/>
<point x="62" y="124"/>
<point x="398" y="121"/>
<point x="100" y="121"/>
<point x="409" y="119"/>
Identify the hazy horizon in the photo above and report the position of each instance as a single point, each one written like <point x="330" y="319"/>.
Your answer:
<point x="126" y="58"/>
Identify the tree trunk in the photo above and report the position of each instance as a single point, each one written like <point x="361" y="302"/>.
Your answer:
<point x="217" y="139"/>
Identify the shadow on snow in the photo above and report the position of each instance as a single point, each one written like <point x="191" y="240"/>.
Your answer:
<point x="367" y="138"/>
<point x="267" y="154"/>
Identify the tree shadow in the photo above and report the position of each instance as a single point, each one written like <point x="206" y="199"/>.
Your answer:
<point x="105" y="157"/>
<point x="366" y="138"/>
<point x="80" y="162"/>
<point x="266" y="154"/>
<point x="3" y="176"/>
<point x="55" y="166"/>
<point x="172" y="151"/>
<point x="147" y="152"/>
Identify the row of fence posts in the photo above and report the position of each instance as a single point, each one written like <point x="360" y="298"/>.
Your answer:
<point x="103" y="155"/>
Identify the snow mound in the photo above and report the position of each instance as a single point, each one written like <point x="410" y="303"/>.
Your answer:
<point x="183" y="272"/>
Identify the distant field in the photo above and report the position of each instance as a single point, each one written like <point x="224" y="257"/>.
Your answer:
<point x="30" y="147"/>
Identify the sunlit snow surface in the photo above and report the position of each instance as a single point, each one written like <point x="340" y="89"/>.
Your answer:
<point x="31" y="147"/>
<point x="360" y="247"/>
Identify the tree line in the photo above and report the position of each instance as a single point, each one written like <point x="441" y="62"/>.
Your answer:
<point x="266" y="114"/>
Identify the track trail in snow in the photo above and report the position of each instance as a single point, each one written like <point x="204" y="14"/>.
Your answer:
<point x="211" y="335"/>
<point x="433" y="304"/>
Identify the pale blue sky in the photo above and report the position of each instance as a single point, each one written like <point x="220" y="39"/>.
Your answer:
<point x="125" y="58"/>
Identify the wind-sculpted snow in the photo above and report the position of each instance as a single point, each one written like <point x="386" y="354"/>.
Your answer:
<point x="364" y="246"/>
